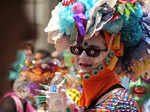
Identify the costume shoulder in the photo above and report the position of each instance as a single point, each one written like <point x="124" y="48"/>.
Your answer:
<point x="117" y="100"/>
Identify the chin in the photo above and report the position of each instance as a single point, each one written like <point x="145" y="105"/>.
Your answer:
<point x="138" y="99"/>
<point x="85" y="68"/>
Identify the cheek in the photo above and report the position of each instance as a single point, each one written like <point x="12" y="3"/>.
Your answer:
<point x="76" y="59"/>
<point x="39" y="62"/>
<point x="131" y="87"/>
<point x="99" y="59"/>
<point x="147" y="86"/>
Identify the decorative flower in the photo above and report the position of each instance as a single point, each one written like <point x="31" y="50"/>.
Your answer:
<point x="78" y="8"/>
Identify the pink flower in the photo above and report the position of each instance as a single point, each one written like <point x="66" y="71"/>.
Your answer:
<point x="78" y="8"/>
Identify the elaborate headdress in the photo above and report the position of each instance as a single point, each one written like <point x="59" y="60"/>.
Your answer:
<point x="122" y="21"/>
<point x="121" y="17"/>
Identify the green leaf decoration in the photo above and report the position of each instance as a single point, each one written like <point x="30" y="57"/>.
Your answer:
<point x="74" y="33"/>
<point x="121" y="8"/>
<point x="127" y="12"/>
<point x="130" y="6"/>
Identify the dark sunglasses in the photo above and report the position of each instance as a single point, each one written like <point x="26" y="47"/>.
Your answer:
<point x="92" y="51"/>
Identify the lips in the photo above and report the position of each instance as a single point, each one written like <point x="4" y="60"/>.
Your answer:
<point x="139" y="92"/>
<point x="85" y="65"/>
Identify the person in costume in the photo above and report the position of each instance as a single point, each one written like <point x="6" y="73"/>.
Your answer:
<point x="136" y="64"/>
<point x="139" y="85"/>
<point x="28" y="50"/>
<point x="40" y="56"/>
<point x="98" y="32"/>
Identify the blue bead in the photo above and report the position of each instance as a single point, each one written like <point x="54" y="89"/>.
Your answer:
<point x="86" y="76"/>
<point x="95" y="72"/>
<point x="108" y="61"/>
<point x="85" y="44"/>
<point x="101" y="68"/>
<point x="111" y="54"/>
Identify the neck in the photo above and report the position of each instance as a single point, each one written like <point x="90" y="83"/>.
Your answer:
<point x="98" y="85"/>
<point x="140" y="105"/>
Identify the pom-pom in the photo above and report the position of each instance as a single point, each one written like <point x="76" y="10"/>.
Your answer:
<point x="65" y="14"/>
<point x="114" y="26"/>
<point x="78" y="8"/>
<point x="131" y="32"/>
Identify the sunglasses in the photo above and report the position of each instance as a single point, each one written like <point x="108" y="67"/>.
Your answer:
<point x="91" y="51"/>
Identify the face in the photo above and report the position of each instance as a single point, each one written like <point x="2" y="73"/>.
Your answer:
<point x="90" y="54"/>
<point x="38" y="59"/>
<point x="140" y="87"/>
<point x="28" y="54"/>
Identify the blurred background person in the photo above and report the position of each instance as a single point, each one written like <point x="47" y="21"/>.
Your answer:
<point x="40" y="56"/>
<point x="28" y="51"/>
<point x="15" y="30"/>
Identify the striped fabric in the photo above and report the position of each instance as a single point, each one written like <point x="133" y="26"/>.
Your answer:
<point x="118" y="102"/>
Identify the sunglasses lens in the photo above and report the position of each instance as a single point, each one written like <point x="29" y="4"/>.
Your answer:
<point x="92" y="52"/>
<point x="76" y="50"/>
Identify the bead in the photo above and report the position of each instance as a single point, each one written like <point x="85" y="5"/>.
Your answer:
<point x="111" y="54"/>
<point x="85" y="44"/>
<point x="86" y="76"/>
<point x="108" y="60"/>
<point x="101" y="68"/>
<point x="95" y="72"/>
<point x="68" y="109"/>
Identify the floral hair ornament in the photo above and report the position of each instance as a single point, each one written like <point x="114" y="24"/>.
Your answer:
<point x="114" y="17"/>
<point x="103" y="12"/>
<point x="80" y="20"/>
<point x="68" y="23"/>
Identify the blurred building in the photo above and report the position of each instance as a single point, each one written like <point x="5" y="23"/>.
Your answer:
<point x="39" y="11"/>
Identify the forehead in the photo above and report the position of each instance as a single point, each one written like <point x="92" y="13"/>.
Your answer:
<point x="38" y="55"/>
<point x="142" y="73"/>
<point x="98" y="41"/>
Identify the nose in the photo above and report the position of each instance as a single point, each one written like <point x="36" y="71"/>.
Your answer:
<point x="83" y="54"/>
<point x="139" y="82"/>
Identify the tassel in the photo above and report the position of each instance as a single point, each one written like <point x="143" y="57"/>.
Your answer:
<point x="120" y="51"/>
<point x="146" y="64"/>
<point x="137" y="68"/>
<point x="113" y="63"/>
<point x="116" y="44"/>
<point x="107" y="38"/>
